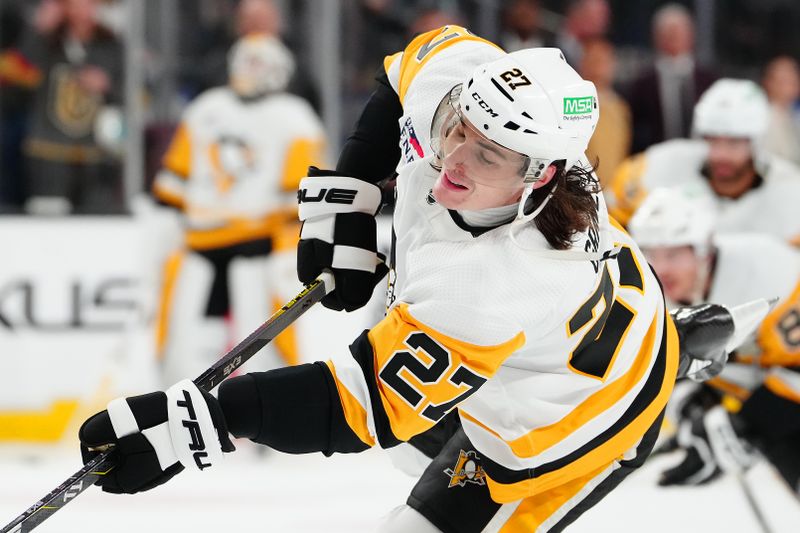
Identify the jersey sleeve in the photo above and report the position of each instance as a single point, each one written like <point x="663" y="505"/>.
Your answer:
<point x="403" y="67"/>
<point x="405" y="375"/>
<point x="169" y="186"/>
<point x="625" y="192"/>
<point x="306" y="148"/>
<point x="779" y="334"/>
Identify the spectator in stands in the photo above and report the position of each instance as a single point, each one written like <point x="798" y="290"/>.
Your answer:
<point x="611" y="142"/>
<point x="209" y="65"/>
<point x="16" y="78"/>
<point x="522" y="26"/>
<point x="781" y="81"/>
<point x="79" y="66"/>
<point x="585" y="20"/>
<point x="431" y="19"/>
<point x="663" y="96"/>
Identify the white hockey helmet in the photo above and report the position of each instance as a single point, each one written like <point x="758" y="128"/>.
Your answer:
<point x="533" y="102"/>
<point x="675" y="216"/>
<point x="259" y="64"/>
<point x="732" y="108"/>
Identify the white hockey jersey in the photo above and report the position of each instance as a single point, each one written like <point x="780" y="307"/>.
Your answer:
<point x="769" y="208"/>
<point x="558" y="361"/>
<point x="750" y="266"/>
<point x="422" y="74"/>
<point x="234" y="166"/>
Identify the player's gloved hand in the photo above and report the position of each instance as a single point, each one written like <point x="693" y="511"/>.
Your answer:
<point x="156" y="436"/>
<point x="698" y="465"/>
<point x="704" y="331"/>
<point x="726" y="433"/>
<point x="339" y="234"/>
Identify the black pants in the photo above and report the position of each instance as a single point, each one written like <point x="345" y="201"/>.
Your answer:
<point x="452" y="492"/>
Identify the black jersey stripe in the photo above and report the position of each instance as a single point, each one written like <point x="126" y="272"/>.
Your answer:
<point x="651" y="389"/>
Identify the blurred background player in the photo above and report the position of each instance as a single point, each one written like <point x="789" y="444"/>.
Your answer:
<point x="751" y="189"/>
<point x="760" y="386"/>
<point x="232" y="171"/>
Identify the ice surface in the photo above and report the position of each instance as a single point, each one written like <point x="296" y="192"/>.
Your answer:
<point x="350" y="493"/>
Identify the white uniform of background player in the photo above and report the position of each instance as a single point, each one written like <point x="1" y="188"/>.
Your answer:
<point x="729" y="109"/>
<point x="232" y="169"/>
<point x="731" y="269"/>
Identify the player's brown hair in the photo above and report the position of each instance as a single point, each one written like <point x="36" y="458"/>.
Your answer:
<point x="571" y="210"/>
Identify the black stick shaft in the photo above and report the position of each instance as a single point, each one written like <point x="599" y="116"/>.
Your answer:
<point x="224" y="367"/>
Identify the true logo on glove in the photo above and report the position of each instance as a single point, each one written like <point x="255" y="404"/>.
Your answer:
<point x="331" y="196"/>
<point x="198" y="445"/>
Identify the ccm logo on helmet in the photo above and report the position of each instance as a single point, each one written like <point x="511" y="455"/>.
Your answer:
<point x="331" y="196"/>
<point x="198" y="445"/>
<point x="484" y="105"/>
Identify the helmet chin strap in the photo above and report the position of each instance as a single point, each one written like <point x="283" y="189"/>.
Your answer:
<point x="526" y="193"/>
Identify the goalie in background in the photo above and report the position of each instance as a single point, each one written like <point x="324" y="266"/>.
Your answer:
<point x="232" y="171"/>
<point x="758" y="392"/>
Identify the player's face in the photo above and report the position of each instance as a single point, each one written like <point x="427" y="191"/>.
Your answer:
<point x="476" y="172"/>
<point x="677" y="267"/>
<point x="730" y="165"/>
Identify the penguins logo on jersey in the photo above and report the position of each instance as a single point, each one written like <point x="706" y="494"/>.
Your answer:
<point x="466" y="470"/>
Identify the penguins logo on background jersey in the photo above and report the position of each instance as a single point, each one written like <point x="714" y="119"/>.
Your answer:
<point x="466" y="470"/>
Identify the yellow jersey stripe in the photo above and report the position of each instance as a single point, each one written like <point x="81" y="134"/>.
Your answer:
<point x="238" y="231"/>
<point x="171" y="269"/>
<point x="436" y="41"/>
<point x="354" y="412"/>
<point x="781" y="388"/>
<point x="545" y="437"/>
<point x="608" y="451"/>
<point x="178" y="158"/>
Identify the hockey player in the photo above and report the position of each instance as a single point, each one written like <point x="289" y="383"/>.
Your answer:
<point x="752" y="189"/>
<point x="518" y="307"/>
<point x="674" y="228"/>
<point x="232" y="170"/>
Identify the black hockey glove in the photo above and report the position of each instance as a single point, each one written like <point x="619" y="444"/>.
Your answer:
<point x="156" y="436"/>
<point x="339" y="234"/>
<point x="697" y="465"/>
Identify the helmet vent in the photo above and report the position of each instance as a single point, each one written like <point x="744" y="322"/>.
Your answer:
<point x="526" y="115"/>
<point x="526" y="130"/>
<point x="500" y="88"/>
<point x="513" y="126"/>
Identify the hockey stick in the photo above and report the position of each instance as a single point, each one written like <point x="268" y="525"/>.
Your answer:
<point x="751" y="500"/>
<point x="103" y="463"/>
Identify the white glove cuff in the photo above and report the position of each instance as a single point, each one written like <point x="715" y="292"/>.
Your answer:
<point x="194" y="436"/>
<point x="324" y="195"/>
